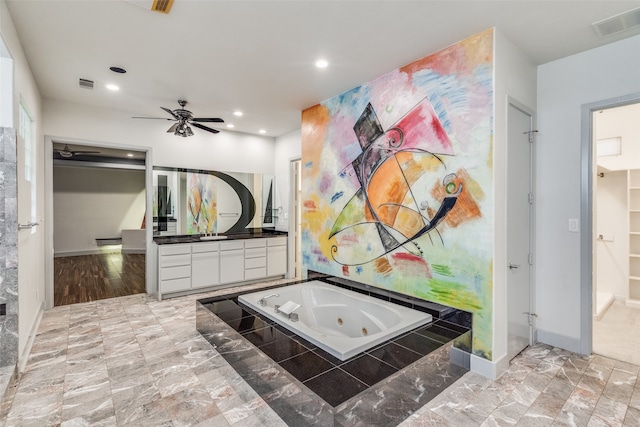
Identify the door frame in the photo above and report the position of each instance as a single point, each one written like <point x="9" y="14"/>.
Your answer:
<point x="511" y="102"/>
<point x="150" y="284"/>
<point x="294" y="232"/>
<point x="587" y="226"/>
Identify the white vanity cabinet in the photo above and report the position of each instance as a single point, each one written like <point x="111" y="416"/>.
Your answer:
<point x="174" y="267"/>
<point x="255" y="259"/>
<point x="231" y="261"/>
<point x="191" y="267"/>
<point x="205" y="265"/>
<point x="276" y="256"/>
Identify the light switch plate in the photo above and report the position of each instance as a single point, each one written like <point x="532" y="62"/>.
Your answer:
<point x="574" y="225"/>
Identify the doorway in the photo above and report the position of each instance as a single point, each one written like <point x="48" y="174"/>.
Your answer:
<point x="295" y="230"/>
<point x="616" y="231"/>
<point x="520" y="137"/>
<point x="97" y="205"/>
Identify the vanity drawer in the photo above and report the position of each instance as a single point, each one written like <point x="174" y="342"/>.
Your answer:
<point x="255" y="243"/>
<point x="277" y="241"/>
<point x="255" y="262"/>
<point x="175" y="260"/>
<point x="229" y="246"/>
<point x="255" y="253"/>
<point x="175" y="249"/>
<point x="205" y="247"/>
<point x="168" y="273"/>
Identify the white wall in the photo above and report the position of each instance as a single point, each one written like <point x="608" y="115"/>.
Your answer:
<point x="94" y="203"/>
<point x="288" y="147"/>
<point x="30" y="245"/>
<point x="515" y="77"/>
<point x="563" y="87"/>
<point x="226" y="152"/>
<point x="611" y="219"/>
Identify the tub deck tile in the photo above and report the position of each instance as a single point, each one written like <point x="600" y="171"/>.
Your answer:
<point x="305" y="385"/>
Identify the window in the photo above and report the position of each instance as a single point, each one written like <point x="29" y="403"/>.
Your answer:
<point x="25" y="130"/>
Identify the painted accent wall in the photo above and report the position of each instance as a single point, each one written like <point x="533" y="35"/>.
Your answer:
<point x="398" y="182"/>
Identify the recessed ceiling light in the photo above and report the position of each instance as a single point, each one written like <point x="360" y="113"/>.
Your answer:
<point x="230" y="126"/>
<point x="322" y="63"/>
<point x="237" y="113"/>
<point x="262" y="131"/>
<point x="112" y="87"/>
<point x="129" y="154"/>
<point x="118" y="70"/>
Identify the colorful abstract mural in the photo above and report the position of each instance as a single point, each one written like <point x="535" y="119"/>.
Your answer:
<point x="397" y="182"/>
<point x="202" y="209"/>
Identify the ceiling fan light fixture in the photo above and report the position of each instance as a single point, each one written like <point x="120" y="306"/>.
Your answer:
<point x="184" y="120"/>
<point x="182" y="129"/>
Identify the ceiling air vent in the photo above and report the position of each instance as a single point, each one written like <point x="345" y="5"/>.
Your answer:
<point x="163" y="6"/>
<point x="85" y="84"/>
<point x="616" y="24"/>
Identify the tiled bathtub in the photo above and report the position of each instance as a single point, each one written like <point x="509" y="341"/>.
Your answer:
<point x="307" y="386"/>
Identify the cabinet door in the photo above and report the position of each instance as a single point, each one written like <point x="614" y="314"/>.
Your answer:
<point x="231" y="266"/>
<point x="205" y="269"/>
<point x="277" y="260"/>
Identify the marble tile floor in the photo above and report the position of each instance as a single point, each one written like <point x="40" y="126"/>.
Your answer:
<point x="135" y="361"/>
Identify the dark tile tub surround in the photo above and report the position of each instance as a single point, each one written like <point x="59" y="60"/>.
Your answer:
<point x="307" y="386"/>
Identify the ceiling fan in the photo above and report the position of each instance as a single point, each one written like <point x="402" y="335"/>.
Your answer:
<point x="66" y="152"/>
<point x="184" y="119"/>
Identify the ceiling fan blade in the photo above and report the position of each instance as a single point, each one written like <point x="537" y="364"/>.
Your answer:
<point x="170" y="112"/>
<point x="208" y="119"/>
<point x="84" y="152"/>
<point x="198" y="125"/>
<point x="156" y="118"/>
<point x="173" y="128"/>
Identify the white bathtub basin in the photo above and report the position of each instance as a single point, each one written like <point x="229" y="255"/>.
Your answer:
<point x="341" y="322"/>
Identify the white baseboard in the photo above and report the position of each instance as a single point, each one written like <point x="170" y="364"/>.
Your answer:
<point x="491" y="369"/>
<point x="104" y="250"/>
<point x="634" y="303"/>
<point x="560" y="341"/>
<point x="133" y="251"/>
<point x="22" y="359"/>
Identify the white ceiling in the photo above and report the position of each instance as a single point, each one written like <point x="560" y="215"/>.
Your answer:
<point x="258" y="56"/>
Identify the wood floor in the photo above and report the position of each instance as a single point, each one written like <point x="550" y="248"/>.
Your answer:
<point x="92" y="277"/>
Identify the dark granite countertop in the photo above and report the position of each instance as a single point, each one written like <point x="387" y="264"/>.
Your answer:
<point x="247" y="233"/>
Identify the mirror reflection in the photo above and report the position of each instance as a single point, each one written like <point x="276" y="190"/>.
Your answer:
<point x="188" y="201"/>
